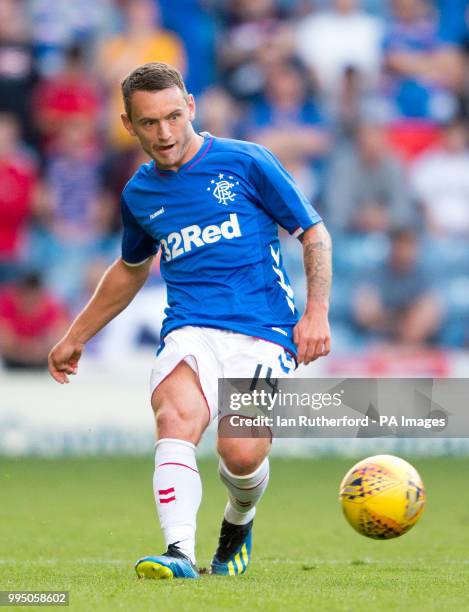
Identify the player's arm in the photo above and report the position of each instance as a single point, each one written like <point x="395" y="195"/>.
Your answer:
<point x="116" y="289"/>
<point x="280" y="196"/>
<point x="312" y="335"/>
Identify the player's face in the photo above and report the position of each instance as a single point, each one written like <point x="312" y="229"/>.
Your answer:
<point x="161" y="120"/>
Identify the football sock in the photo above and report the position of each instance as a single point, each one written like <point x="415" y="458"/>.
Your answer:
<point x="243" y="492"/>
<point x="178" y="492"/>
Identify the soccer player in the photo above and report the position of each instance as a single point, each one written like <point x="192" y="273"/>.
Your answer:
<point x="212" y="205"/>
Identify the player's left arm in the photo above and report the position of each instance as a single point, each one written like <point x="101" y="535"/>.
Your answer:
<point x="312" y="334"/>
<point x="284" y="202"/>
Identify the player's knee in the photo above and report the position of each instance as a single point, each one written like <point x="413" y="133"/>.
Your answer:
<point x="243" y="459"/>
<point x="173" y="420"/>
<point x="241" y="464"/>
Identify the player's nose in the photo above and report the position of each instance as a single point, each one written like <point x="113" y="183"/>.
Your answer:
<point x="164" y="133"/>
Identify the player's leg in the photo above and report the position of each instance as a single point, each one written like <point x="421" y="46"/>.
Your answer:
<point x="244" y="470"/>
<point x="244" y="466"/>
<point x="181" y="416"/>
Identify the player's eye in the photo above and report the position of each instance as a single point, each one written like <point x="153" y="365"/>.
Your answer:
<point x="174" y="116"/>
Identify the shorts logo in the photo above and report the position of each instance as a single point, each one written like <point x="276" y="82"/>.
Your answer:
<point x="194" y="236"/>
<point x="221" y="189"/>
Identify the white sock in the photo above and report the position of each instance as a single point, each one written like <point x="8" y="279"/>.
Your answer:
<point x="243" y="492"/>
<point x="178" y="492"/>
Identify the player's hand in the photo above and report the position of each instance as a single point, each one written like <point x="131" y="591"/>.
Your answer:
<point x="312" y="336"/>
<point x="63" y="359"/>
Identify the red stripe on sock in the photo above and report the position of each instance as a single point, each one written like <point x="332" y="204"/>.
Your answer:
<point x="181" y="464"/>
<point x="166" y="501"/>
<point x="223" y="477"/>
<point x="166" y="491"/>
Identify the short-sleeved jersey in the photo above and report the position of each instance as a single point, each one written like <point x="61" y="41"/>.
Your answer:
<point x="215" y="220"/>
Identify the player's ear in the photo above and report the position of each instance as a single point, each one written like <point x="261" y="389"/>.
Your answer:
<point x="127" y="124"/>
<point x="191" y="107"/>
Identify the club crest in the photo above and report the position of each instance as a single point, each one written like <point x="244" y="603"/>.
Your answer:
<point x="222" y="189"/>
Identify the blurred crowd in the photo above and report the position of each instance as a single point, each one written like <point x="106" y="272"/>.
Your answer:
<point x="366" y="103"/>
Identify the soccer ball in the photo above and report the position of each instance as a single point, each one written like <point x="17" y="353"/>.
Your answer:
<point x="382" y="497"/>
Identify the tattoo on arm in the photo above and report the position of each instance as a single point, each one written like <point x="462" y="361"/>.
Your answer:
<point x="317" y="251"/>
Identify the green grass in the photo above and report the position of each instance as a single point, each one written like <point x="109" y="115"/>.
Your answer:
<point x="79" y="525"/>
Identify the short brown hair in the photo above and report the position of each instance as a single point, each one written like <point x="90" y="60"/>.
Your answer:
<point x="153" y="76"/>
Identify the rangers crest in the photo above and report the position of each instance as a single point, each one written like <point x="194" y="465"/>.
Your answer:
<point x="222" y="189"/>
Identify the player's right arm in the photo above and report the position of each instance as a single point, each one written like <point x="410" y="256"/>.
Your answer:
<point x="116" y="289"/>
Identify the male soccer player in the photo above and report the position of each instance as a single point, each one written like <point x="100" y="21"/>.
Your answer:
<point x="212" y="205"/>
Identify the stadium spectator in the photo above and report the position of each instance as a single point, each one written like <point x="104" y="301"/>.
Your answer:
<point x="219" y="113"/>
<point x="353" y="103"/>
<point x="194" y="22"/>
<point x="345" y="108"/>
<point x="254" y="34"/>
<point x="75" y="216"/>
<point x="366" y="189"/>
<point x="396" y="303"/>
<point x="288" y="121"/>
<point x="143" y="40"/>
<point x="30" y="319"/>
<point x="18" y="180"/>
<point x="440" y="180"/>
<point x="331" y="41"/>
<point x="71" y="207"/>
<point x="422" y="73"/>
<point x="71" y="94"/>
<point x="58" y="24"/>
<point x="17" y="67"/>
<point x="452" y="22"/>
<point x="117" y="168"/>
<point x="287" y="116"/>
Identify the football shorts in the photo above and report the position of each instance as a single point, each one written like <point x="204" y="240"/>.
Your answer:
<point x="216" y="353"/>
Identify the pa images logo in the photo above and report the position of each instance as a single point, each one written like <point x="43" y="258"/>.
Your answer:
<point x="222" y="189"/>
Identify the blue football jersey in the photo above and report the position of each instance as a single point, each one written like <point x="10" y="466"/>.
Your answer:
<point x="215" y="220"/>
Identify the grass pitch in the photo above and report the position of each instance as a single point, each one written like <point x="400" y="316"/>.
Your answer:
<point x="79" y="524"/>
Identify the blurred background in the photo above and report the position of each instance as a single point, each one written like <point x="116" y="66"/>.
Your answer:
<point x="366" y="103"/>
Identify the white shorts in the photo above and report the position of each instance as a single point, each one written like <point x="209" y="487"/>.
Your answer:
<point x="217" y="353"/>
